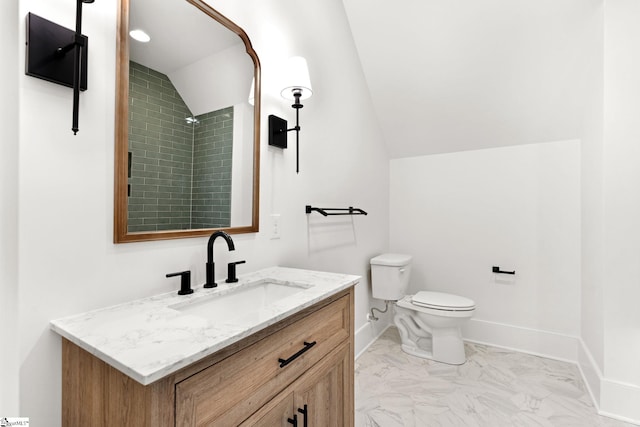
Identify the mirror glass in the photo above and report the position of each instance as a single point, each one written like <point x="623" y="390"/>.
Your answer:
<point x="187" y="134"/>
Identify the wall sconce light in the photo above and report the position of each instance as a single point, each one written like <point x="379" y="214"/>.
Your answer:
<point x="47" y="47"/>
<point x="297" y="87"/>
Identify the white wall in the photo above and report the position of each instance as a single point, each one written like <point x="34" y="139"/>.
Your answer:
<point x="516" y="207"/>
<point x="591" y="356"/>
<point x="610" y="330"/>
<point x="67" y="261"/>
<point x="9" y="337"/>
<point x="204" y="91"/>
<point x="621" y="217"/>
<point x="622" y="214"/>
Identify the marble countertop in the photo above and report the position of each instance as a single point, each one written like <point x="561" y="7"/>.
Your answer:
<point x="146" y="339"/>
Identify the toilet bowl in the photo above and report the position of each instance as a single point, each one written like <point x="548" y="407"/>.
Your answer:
<point x="429" y="325"/>
<point x="428" y="322"/>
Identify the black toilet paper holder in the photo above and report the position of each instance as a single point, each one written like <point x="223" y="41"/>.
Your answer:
<point x="498" y="271"/>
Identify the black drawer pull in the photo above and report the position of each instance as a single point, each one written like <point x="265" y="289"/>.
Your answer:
<point x="307" y="346"/>
<point x="293" y="421"/>
<point x="304" y="412"/>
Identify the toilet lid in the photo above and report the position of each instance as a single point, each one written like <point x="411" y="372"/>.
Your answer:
<point x="391" y="260"/>
<point x="440" y="300"/>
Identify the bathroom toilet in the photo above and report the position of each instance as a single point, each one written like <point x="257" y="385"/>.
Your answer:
<point x="428" y="322"/>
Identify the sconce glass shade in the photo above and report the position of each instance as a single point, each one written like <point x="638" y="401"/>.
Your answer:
<point x="296" y="77"/>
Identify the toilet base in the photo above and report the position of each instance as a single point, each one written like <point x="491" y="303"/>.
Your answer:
<point x="421" y="349"/>
<point x="454" y="355"/>
<point x="443" y="345"/>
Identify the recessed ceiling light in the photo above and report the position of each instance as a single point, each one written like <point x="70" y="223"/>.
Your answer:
<point x="139" y="35"/>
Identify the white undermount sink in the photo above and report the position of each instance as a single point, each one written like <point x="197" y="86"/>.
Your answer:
<point x="244" y="301"/>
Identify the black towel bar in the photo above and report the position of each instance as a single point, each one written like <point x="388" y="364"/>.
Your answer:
<point x="335" y="211"/>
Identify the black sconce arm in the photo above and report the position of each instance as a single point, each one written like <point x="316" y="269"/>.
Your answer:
<point x="278" y="128"/>
<point x="79" y="44"/>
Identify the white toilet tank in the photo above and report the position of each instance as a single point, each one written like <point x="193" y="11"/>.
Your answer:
<point x="390" y="276"/>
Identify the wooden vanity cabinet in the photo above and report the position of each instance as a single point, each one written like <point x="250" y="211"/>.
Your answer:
<point x="320" y="395"/>
<point x="244" y="384"/>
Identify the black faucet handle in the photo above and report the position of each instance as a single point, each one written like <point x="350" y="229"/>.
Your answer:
<point x="231" y="271"/>
<point x="185" y="282"/>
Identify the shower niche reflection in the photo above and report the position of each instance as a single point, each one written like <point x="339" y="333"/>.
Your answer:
<point x="181" y="163"/>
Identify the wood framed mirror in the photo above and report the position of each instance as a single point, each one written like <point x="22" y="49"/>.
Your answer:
<point x="187" y="143"/>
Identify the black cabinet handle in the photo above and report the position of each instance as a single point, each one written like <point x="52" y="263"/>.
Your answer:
<point x="304" y="413"/>
<point x="293" y="421"/>
<point x="307" y="346"/>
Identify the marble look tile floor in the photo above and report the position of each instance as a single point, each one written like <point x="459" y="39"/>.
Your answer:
<point x="494" y="388"/>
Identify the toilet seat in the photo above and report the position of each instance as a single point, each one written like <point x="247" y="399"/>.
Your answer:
<point x="407" y="303"/>
<point x="442" y="301"/>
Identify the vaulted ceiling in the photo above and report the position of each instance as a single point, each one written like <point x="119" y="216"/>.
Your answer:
<point x="454" y="75"/>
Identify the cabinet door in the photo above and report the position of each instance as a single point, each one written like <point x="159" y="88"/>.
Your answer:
<point x="277" y="413"/>
<point x="324" y="395"/>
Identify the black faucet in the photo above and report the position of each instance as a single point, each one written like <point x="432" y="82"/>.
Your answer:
<point x="210" y="283"/>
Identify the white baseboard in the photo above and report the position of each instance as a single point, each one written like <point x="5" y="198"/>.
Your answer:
<point x="527" y="340"/>
<point x="613" y="399"/>
<point x="620" y="401"/>
<point x="532" y="341"/>
<point x="367" y="334"/>
<point x="591" y="373"/>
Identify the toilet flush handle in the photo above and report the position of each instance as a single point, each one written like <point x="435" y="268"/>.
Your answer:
<point x="402" y="270"/>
